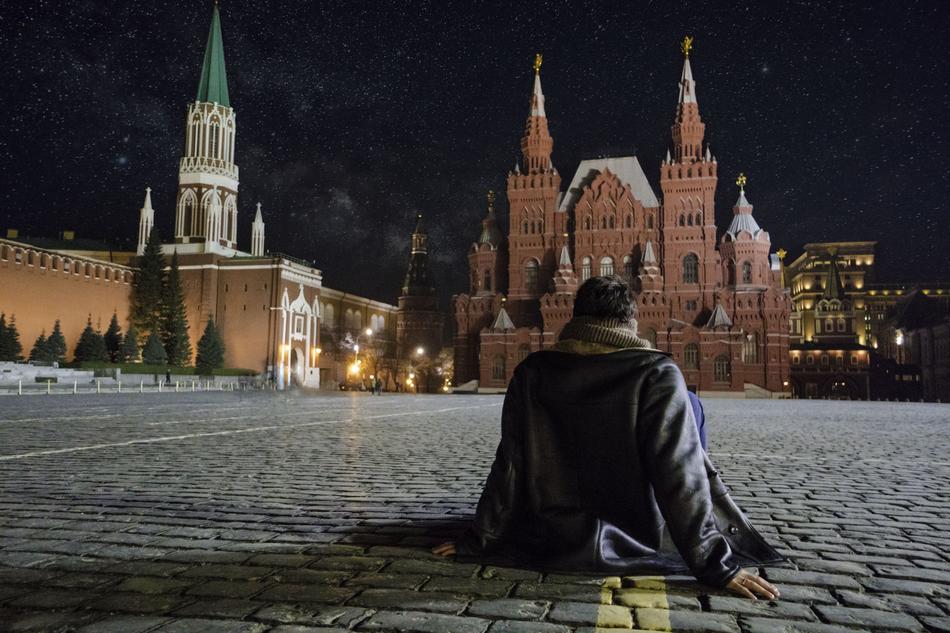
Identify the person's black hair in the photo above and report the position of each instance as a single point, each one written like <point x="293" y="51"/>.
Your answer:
<point x="607" y="297"/>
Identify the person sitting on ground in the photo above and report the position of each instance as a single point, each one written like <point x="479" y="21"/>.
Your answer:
<point x="602" y="467"/>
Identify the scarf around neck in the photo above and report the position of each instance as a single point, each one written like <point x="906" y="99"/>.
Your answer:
<point x="609" y="334"/>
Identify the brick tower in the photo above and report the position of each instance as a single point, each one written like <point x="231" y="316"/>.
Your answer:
<point x="535" y="229"/>
<point x="418" y="319"/>
<point x="688" y="182"/>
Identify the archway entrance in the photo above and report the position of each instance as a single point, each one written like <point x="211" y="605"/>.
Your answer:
<point x="296" y="367"/>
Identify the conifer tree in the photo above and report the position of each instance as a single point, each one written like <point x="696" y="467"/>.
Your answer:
<point x="40" y="351"/>
<point x="174" y="320"/>
<point x="147" y="287"/>
<point x="91" y="346"/>
<point x="113" y="340"/>
<point x="154" y="352"/>
<point x="4" y="342"/>
<point x="210" y="350"/>
<point x="130" y="345"/>
<point x="10" y="348"/>
<point x="56" y="344"/>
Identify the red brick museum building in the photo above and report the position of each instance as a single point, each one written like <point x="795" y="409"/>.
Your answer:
<point x="717" y="304"/>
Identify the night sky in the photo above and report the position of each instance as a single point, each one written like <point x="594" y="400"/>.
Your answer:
<point x="353" y="117"/>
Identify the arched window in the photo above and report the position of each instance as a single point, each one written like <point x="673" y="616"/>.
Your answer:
<point x="382" y="322"/>
<point x="699" y="219"/>
<point x="722" y="371"/>
<point x="628" y="268"/>
<point x="585" y="269"/>
<point x="606" y="266"/>
<point x="525" y="228"/>
<point x="682" y="221"/>
<point x="731" y="273"/>
<point x="329" y="316"/>
<point x="649" y="221"/>
<point x="498" y="368"/>
<point x="523" y="352"/>
<point x="610" y="222"/>
<point x="358" y="320"/>
<point x="689" y="220"/>
<point x="486" y="282"/>
<point x="603" y="222"/>
<point x="540" y="226"/>
<point x="746" y="273"/>
<point x="750" y="348"/>
<point x="214" y="139"/>
<point x="691" y="269"/>
<point x="842" y="325"/>
<point x="531" y="275"/>
<point x="829" y="325"/>
<point x="629" y="221"/>
<point x="691" y="356"/>
<point x="587" y="223"/>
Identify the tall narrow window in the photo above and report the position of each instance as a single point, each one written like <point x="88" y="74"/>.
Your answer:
<point x="498" y="368"/>
<point x="486" y="283"/>
<point x="214" y="139"/>
<point x="750" y="348"/>
<point x="606" y="266"/>
<point x="690" y="269"/>
<point x="722" y="372"/>
<point x="691" y="356"/>
<point x="628" y="268"/>
<point x="746" y="273"/>
<point x="531" y="275"/>
<point x="585" y="269"/>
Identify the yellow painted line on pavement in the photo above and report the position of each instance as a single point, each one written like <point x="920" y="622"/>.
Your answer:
<point x="647" y="599"/>
<point x="255" y="429"/>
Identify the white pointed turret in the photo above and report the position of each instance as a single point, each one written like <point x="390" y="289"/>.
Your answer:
<point x="565" y="261"/>
<point x="648" y="257"/>
<point x="669" y="159"/>
<point x="146" y="221"/>
<point x="708" y="154"/>
<point x="503" y="321"/>
<point x="687" y="85"/>
<point x="537" y="97"/>
<point x="742" y="219"/>
<point x="257" y="234"/>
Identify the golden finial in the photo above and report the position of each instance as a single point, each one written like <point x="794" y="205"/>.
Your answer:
<point x="741" y="181"/>
<point x="491" y="200"/>
<point x="686" y="46"/>
<point x="781" y="253"/>
<point x="537" y="63"/>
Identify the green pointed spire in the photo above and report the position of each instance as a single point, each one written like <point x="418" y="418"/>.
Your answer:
<point x="213" y="86"/>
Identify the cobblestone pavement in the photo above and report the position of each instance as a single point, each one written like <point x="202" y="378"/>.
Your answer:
<point x="291" y="514"/>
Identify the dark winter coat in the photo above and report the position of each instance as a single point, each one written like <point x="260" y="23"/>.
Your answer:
<point x="600" y="468"/>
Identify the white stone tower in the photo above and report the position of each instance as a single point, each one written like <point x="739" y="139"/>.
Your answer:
<point x="146" y="221"/>
<point x="257" y="234"/>
<point x="206" y="210"/>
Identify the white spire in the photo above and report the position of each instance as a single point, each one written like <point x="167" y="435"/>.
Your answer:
<point x="648" y="256"/>
<point x="565" y="258"/>
<point x="708" y="154"/>
<point x="257" y="234"/>
<point x="668" y="158"/>
<point x="537" y="99"/>
<point x="146" y="221"/>
<point x="687" y="85"/>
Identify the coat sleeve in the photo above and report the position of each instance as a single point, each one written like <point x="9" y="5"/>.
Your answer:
<point x="496" y="511"/>
<point x="675" y="465"/>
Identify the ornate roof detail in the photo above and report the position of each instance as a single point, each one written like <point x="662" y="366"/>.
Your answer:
<point x="626" y="168"/>
<point x="213" y="86"/>
<point x="742" y="219"/>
